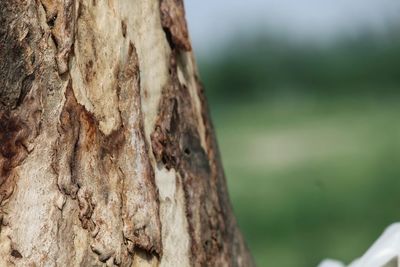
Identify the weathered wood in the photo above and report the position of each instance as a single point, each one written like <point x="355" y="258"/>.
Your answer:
<point x="107" y="152"/>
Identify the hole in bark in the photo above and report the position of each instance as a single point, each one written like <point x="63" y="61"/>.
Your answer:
<point x="52" y="21"/>
<point x="174" y="124"/>
<point x="25" y="88"/>
<point x="16" y="254"/>
<point x="207" y="244"/>
<point x="123" y="26"/>
<point x="187" y="151"/>
<point x="146" y="253"/>
<point x="168" y="35"/>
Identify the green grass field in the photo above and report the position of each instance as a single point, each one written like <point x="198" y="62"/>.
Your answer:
<point x="311" y="178"/>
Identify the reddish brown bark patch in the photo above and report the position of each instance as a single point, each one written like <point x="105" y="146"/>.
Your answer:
<point x="81" y="139"/>
<point x="13" y="132"/>
<point x="174" y="23"/>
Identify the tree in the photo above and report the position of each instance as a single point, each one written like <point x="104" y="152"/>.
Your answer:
<point x="107" y="152"/>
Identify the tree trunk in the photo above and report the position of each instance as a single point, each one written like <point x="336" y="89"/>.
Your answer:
<point x="107" y="153"/>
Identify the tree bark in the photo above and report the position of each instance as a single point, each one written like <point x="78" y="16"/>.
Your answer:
<point x="107" y="152"/>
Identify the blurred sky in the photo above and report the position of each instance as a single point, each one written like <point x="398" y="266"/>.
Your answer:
<point x="211" y="22"/>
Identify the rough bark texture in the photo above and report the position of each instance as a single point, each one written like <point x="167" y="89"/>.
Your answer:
<point x="107" y="152"/>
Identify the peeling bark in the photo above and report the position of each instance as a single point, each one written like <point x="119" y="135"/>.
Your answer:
<point x="107" y="152"/>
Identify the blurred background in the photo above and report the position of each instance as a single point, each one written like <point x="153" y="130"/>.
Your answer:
<point x="305" y="99"/>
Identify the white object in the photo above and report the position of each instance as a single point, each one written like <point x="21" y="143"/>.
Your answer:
<point x="384" y="252"/>
<point x="331" y="263"/>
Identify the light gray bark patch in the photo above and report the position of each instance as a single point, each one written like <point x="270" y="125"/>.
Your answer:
<point x="174" y="24"/>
